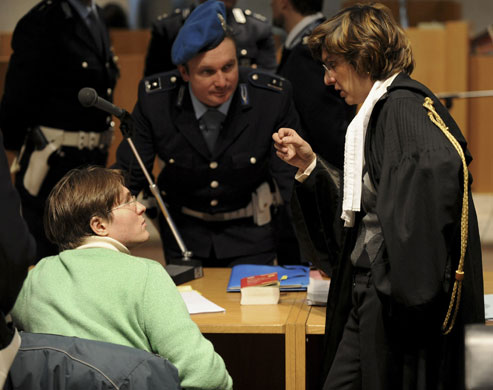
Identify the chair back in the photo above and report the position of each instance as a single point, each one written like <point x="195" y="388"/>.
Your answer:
<point x="47" y="361"/>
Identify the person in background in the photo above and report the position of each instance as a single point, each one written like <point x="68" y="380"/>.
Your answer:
<point x="115" y="16"/>
<point x="95" y="289"/>
<point x="407" y="272"/>
<point x="251" y="31"/>
<point x="211" y="123"/>
<point x="323" y="113"/>
<point x="17" y="251"/>
<point x="59" y="47"/>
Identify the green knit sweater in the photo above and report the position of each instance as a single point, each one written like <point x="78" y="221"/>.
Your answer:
<point x="105" y="295"/>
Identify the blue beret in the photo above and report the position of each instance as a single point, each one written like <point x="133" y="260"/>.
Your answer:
<point x="203" y="30"/>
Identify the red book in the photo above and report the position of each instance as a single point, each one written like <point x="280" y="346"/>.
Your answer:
<point x="260" y="289"/>
<point x="260" y="280"/>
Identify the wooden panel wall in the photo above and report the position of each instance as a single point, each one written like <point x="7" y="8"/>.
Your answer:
<point x="481" y="124"/>
<point x="130" y="46"/>
<point x="420" y="10"/>
<point x="442" y="62"/>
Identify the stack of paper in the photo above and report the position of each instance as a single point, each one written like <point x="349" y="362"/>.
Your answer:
<point x="196" y="303"/>
<point x="488" y="306"/>
<point x="318" y="289"/>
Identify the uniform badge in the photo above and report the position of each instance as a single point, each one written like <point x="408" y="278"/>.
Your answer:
<point x="239" y="16"/>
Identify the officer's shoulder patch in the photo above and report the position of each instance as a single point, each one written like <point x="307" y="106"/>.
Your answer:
<point x="266" y="80"/>
<point x="162" y="16"/>
<point x="161" y="82"/>
<point x="239" y="15"/>
<point x="256" y="15"/>
<point x="45" y="4"/>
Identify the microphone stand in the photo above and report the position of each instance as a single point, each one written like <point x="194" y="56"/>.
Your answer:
<point x="181" y="270"/>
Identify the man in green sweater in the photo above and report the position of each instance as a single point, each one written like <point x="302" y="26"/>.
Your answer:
<point x="95" y="289"/>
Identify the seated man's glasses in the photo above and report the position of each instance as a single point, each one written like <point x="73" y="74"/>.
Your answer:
<point x="131" y="205"/>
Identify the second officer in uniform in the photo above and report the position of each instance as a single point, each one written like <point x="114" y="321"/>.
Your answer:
<point x="211" y="122"/>
<point x="252" y="33"/>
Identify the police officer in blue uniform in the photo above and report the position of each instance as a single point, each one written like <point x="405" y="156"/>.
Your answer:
<point x="59" y="47"/>
<point x="252" y="33"/>
<point x="324" y="115"/>
<point x="211" y="124"/>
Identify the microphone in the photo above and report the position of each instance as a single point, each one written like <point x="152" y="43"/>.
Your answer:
<point x="88" y="97"/>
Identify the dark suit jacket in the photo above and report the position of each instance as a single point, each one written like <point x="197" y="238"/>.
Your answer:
<point x="166" y="127"/>
<point x="17" y="247"/>
<point x="324" y="115"/>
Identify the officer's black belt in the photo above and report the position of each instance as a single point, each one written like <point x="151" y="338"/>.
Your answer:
<point x="244" y="212"/>
<point x="78" y="139"/>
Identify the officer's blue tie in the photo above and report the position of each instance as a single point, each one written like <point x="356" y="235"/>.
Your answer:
<point x="212" y="122"/>
<point x="96" y="29"/>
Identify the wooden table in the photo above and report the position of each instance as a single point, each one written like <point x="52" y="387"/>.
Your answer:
<point x="292" y="318"/>
<point x="281" y="319"/>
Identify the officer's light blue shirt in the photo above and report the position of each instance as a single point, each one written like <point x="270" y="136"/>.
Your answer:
<point x="200" y="108"/>
<point x="83" y="10"/>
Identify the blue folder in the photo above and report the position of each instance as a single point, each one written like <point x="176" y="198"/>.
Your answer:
<point x="297" y="279"/>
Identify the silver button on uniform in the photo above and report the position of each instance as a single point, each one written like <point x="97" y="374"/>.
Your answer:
<point x="214" y="184"/>
<point x="213" y="165"/>
<point x="253" y="160"/>
<point x="214" y="202"/>
<point x="85" y="64"/>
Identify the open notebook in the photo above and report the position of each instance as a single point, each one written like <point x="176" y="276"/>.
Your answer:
<point x="292" y="277"/>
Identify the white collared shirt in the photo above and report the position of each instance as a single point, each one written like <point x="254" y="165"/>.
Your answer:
<point x="295" y="35"/>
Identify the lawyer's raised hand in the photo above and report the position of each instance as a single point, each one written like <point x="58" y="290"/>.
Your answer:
<point x="293" y="149"/>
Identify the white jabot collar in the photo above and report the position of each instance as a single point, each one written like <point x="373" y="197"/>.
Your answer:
<point x="354" y="152"/>
<point x="103" y="242"/>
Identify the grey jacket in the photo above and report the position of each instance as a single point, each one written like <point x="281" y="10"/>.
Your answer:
<point x="47" y="361"/>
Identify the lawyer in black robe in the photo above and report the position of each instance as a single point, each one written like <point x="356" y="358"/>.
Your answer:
<point x="394" y="270"/>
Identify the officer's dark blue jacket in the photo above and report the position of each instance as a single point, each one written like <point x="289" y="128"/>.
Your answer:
<point x="222" y="181"/>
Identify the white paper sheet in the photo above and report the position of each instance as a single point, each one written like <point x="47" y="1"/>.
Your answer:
<point x="196" y="303"/>
<point x="488" y="306"/>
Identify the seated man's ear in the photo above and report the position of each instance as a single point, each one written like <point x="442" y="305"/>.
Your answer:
<point x="99" y="226"/>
